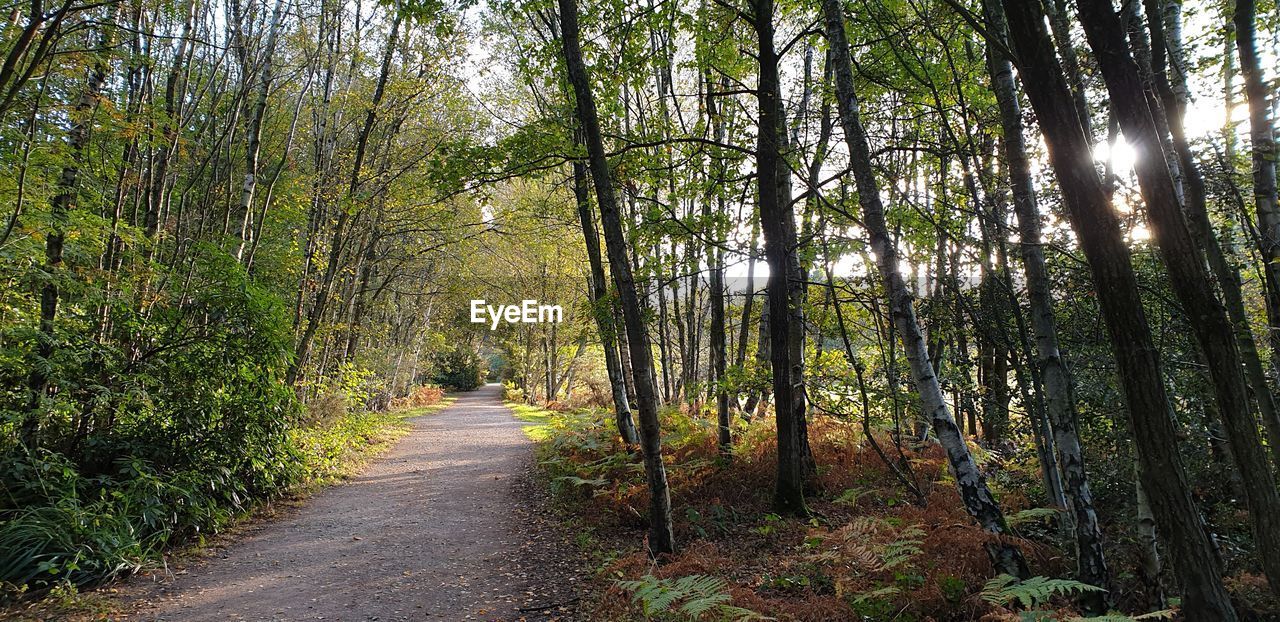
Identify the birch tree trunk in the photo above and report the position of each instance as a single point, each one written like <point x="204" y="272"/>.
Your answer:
<point x="1263" y="145"/>
<point x="254" y="132"/>
<point x="1091" y="566"/>
<point x="977" y="498"/>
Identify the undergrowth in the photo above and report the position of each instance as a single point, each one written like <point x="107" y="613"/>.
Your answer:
<point x="868" y="553"/>
<point x="336" y="451"/>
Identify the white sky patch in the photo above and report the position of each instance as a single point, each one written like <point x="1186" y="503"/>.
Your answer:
<point x="1121" y="155"/>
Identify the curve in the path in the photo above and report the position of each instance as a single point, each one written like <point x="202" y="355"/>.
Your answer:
<point x="442" y="527"/>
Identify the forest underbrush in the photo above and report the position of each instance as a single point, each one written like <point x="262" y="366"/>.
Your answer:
<point x="869" y="550"/>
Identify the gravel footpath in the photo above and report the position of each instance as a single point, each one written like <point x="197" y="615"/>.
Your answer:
<point x="448" y="525"/>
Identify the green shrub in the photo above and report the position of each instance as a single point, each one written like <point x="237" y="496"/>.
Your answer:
<point x="167" y="430"/>
<point x="512" y="393"/>
<point x="459" y="369"/>
<point x="79" y="530"/>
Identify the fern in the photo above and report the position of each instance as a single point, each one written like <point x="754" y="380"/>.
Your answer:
<point x="578" y="481"/>
<point x="899" y="552"/>
<point x="1163" y="614"/>
<point x="1005" y="590"/>
<point x="1032" y="515"/>
<point x="851" y="496"/>
<point x="881" y="592"/>
<point x="691" y="598"/>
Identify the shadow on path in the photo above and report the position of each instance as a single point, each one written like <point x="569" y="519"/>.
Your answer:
<point x="445" y="526"/>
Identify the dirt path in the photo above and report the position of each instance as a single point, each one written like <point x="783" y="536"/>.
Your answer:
<point x="445" y="526"/>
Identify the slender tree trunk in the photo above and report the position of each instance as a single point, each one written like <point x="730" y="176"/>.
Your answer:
<point x="993" y="359"/>
<point x="744" y="328"/>
<point x="624" y="350"/>
<point x="977" y="498"/>
<point x="777" y="222"/>
<point x="1091" y="566"/>
<point x="1061" y="26"/>
<point x="1149" y="564"/>
<point x="1163" y="477"/>
<point x="661" y="537"/>
<point x="760" y="396"/>
<point x="715" y="263"/>
<point x="565" y="380"/>
<point x="1263" y="145"/>
<point x="718" y="354"/>
<point x="254" y="132"/>
<point x="664" y="347"/>
<point x="602" y="307"/>
<point x="1166" y="34"/>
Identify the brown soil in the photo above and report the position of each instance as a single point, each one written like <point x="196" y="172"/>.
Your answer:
<point x="446" y="526"/>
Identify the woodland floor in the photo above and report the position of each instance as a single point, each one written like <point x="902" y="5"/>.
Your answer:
<point x="447" y="525"/>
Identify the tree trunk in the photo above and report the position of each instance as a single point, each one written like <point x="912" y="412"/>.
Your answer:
<point x="759" y="396"/>
<point x="977" y="498"/>
<point x="661" y="537"/>
<point x="715" y="262"/>
<point x="664" y="345"/>
<point x="744" y="328"/>
<point x="254" y="131"/>
<point x="1058" y="22"/>
<point x="1091" y="566"/>
<point x="777" y="223"/>
<point x="1096" y="224"/>
<point x="1263" y="145"/>
<point x="602" y="307"/>
<point x="1149" y="565"/>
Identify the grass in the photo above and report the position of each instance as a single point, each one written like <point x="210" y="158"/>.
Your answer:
<point x="334" y="452"/>
<point x="542" y="422"/>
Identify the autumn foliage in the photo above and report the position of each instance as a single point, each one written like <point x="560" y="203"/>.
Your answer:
<point x="867" y="552"/>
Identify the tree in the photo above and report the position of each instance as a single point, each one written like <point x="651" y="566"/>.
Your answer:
<point x="977" y="498"/>
<point x="1089" y="209"/>
<point x="1091" y="565"/>
<point x="786" y="283"/>
<point x="661" y="538"/>
<point x="601" y="306"/>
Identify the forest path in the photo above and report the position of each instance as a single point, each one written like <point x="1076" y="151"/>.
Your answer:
<point x="445" y="526"/>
